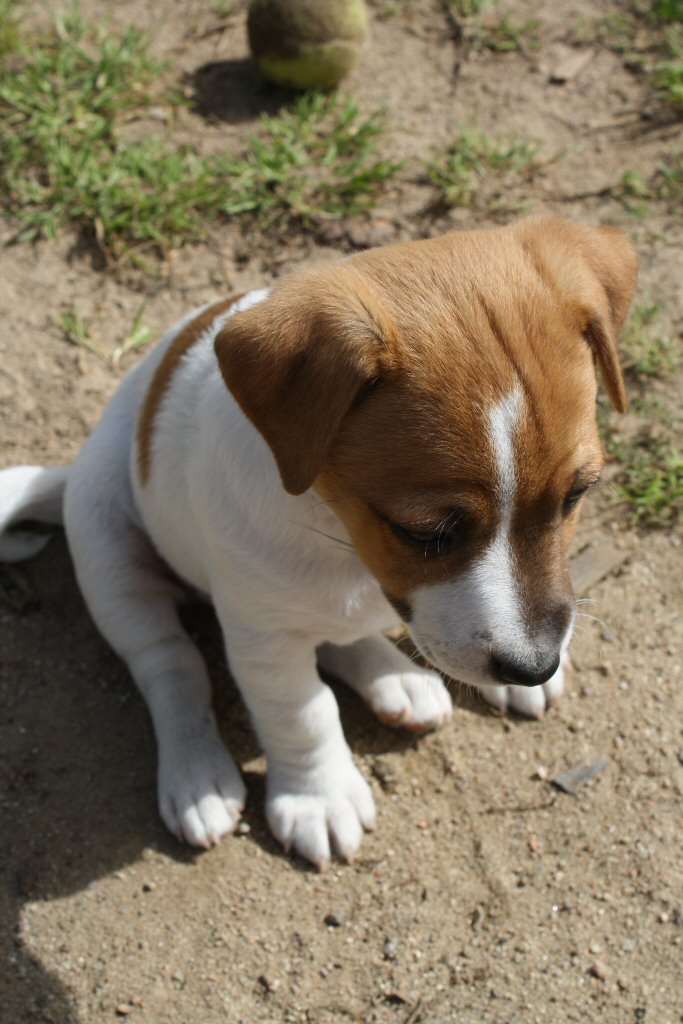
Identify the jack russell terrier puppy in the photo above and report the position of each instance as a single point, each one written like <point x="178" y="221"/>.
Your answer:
<point x="406" y="435"/>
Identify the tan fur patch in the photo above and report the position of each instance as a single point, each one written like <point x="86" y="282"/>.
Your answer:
<point x="163" y="375"/>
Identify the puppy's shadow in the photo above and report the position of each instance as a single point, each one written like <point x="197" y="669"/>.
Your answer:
<point x="234" y="91"/>
<point x="79" y="765"/>
<point x="79" y="781"/>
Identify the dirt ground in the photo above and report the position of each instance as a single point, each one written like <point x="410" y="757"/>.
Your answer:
<point x="486" y="895"/>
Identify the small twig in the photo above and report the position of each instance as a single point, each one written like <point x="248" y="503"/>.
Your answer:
<point x="412" y="1016"/>
<point x="517" y="808"/>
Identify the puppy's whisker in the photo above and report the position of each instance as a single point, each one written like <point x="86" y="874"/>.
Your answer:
<point x="345" y="544"/>
<point x="586" y="615"/>
<point x="323" y="501"/>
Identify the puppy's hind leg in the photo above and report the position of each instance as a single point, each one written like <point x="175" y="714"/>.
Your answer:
<point x="132" y="600"/>
<point x="398" y="690"/>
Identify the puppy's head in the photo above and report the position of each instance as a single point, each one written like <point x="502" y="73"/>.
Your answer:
<point x="441" y="394"/>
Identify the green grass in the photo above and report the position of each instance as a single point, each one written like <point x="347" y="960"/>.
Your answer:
<point x="650" y="37"/>
<point x="313" y="162"/>
<point x="138" y="336"/>
<point x="499" y="34"/>
<point x="662" y="10"/>
<point x="666" y="184"/>
<point x="9" y="27"/>
<point x="68" y="160"/>
<point x="474" y="160"/>
<point x="77" y="331"/>
<point x="80" y="332"/>
<point x="645" y="351"/>
<point x="667" y="76"/>
<point x="470" y="8"/>
<point x="506" y="35"/>
<point x="650" y="481"/>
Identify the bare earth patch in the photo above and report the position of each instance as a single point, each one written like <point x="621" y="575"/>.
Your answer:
<point x="486" y="894"/>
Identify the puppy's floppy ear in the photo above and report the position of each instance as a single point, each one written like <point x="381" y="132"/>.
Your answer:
<point x="297" y="361"/>
<point x="595" y="268"/>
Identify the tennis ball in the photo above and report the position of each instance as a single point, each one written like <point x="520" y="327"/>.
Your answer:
<point x="306" y="44"/>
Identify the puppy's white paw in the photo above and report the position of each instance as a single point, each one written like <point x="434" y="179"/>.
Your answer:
<point x="531" y="701"/>
<point x="201" y="794"/>
<point x="317" y="811"/>
<point x="414" y="700"/>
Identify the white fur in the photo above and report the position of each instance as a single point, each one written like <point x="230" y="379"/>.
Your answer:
<point x="28" y="492"/>
<point x="215" y="511"/>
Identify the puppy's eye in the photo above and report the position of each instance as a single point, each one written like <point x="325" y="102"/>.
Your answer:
<point x="572" y="499"/>
<point x="430" y="542"/>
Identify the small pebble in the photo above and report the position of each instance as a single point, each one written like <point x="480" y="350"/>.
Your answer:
<point x="123" y="1010"/>
<point x="269" y="984"/>
<point x="389" y="950"/>
<point x="243" y="828"/>
<point x="570" y="780"/>
<point x="335" y="920"/>
<point x="599" y="970"/>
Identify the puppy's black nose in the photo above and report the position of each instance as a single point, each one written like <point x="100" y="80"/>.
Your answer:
<point x="509" y="671"/>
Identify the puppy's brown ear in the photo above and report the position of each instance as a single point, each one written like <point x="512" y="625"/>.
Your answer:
<point x="296" y="362"/>
<point x="595" y="269"/>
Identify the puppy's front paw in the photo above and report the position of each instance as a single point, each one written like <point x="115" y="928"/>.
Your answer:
<point x="531" y="701"/>
<point x="414" y="700"/>
<point x="316" y="810"/>
<point x="201" y="794"/>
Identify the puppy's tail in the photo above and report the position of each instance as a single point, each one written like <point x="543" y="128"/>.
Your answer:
<point x="29" y="493"/>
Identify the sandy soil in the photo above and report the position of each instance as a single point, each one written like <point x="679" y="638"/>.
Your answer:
<point x="486" y="895"/>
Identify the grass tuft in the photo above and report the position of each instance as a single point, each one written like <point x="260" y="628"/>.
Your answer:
<point x="650" y="481"/>
<point x="666" y="185"/>
<point x="650" y="38"/>
<point x="313" y="162"/>
<point x="667" y="76"/>
<point x="67" y="160"/>
<point x="77" y="331"/>
<point x="470" y="8"/>
<point x="506" y="35"/>
<point x="474" y="159"/>
<point x="646" y="352"/>
<point x="9" y="27"/>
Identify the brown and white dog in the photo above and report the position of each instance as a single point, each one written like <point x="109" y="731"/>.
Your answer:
<point x="405" y="435"/>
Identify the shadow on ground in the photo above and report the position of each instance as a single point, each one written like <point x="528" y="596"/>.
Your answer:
<point x="79" y="799"/>
<point x="233" y="91"/>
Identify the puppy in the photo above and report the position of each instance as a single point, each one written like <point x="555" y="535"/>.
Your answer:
<point x="407" y="435"/>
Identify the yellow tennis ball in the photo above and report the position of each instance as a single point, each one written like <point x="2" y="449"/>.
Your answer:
<point x="307" y="44"/>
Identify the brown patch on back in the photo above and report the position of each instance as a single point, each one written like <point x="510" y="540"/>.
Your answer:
<point x="163" y="375"/>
